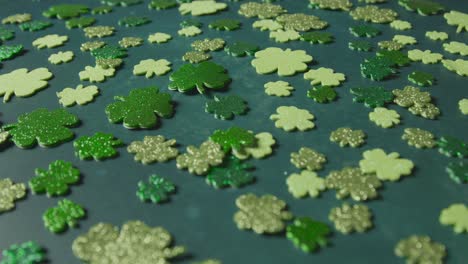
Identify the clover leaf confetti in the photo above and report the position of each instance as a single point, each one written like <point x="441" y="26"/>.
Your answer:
<point x="345" y="136"/>
<point x="199" y="160"/>
<point x="6" y="34"/>
<point x="27" y="252"/>
<point x="386" y="167"/>
<point x="404" y="40"/>
<point x="364" y="31"/>
<point x="267" y="24"/>
<point x="353" y="182"/>
<point x="205" y="75"/>
<point x="196" y="56"/>
<point x="108" y="63"/>
<point x="232" y="173"/>
<point x="374" y="14"/>
<point x="134" y="21"/>
<point x="66" y="214"/>
<point x="233" y="138"/>
<point x="420" y="249"/>
<point x="56" y="180"/>
<point x="452" y="147"/>
<point x="157" y="189"/>
<point x="456" y="18"/>
<point x="129" y="42"/>
<point x="101" y="10"/>
<point x="458" y="66"/>
<point x="324" y="77"/>
<point x="456" y="47"/>
<point x="241" y="49"/>
<point x="331" y="4"/>
<point x="301" y="22"/>
<point x="428" y="110"/>
<point x="98" y="31"/>
<point x="9" y="193"/>
<point x="463" y="106"/>
<point x="109" y="52"/>
<point x="305" y="184"/>
<point x="80" y="22"/>
<point x="162" y="4"/>
<point x="65" y="11"/>
<point x="456" y="215"/>
<point x="373" y="96"/>
<point x="96" y="73"/>
<point x="317" y="37"/>
<point x="99" y="146"/>
<point x="423" y="7"/>
<point x="458" y="171"/>
<point x="391" y="45"/>
<point x="264" y="215"/>
<point x="43" y="126"/>
<point x="262" y="148"/>
<point x="61" y="57"/>
<point x="347" y="218"/>
<point x="426" y="57"/>
<point x="49" y="41"/>
<point x="436" y="35"/>
<point x="419" y="138"/>
<point x="397" y="58"/>
<point x="225" y="24"/>
<point x="34" y="25"/>
<point x="384" y="117"/>
<point x="153" y="149"/>
<point x="360" y="45"/>
<point x="208" y="44"/>
<point x="283" y="36"/>
<point x="9" y="52"/>
<point x="150" y="67"/>
<point x="322" y="94"/>
<point x="308" y="234"/>
<point x="189" y="31"/>
<point x="159" y="37"/>
<point x="278" y="88"/>
<point x="226" y="107"/>
<point x="410" y="96"/>
<point x="199" y="8"/>
<point x="377" y="68"/>
<point x="307" y="158"/>
<point x="421" y="78"/>
<point x="17" y="18"/>
<point x="400" y="25"/>
<point x="81" y="95"/>
<point x="260" y="10"/>
<point x="92" y="45"/>
<point x="290" y="118"/>
<point x="4" y="137"/>
<point x="286" y="62"/>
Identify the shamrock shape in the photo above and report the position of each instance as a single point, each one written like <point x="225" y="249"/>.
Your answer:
<point x="61" y="57"/>
<point x="134" y="21"/>
<point x="396" y="57"/>
<point x="410" y="96"/>
<point x="420" y="249"/>
<point x="459" y="19"/>
<point x="301" y="22"/>
<point x="49" y="41"/>
<point x="234" y="138"/>
<point x="92" y="45"/>
<point x="48" y="128"/>
<point x="390" y="45"/>
<point x="241" y="49"/>
<point x="458" y="66"/>
<point x="386" y="167"/>
<point x="109" y="52"/>
<point x="81" y="95"/>
<point x="364" y="31"/>
<point x="360" y="45"/>
<point x="17" y="18"/>
<point x="101" y="10"/>
<point x="66" y="214"/>
<point x="65" y="11"/>
<point x="377" y="68"/>
<point x="134" y="243"/>
<point x="9" y="52"/>
<point x="9" y="192"/>
<point x="324" y="76"/>
<point x="458" y="171"/>
<point x="232" y="173"/>
<point x="153" y="149"/>
<point x="428" y="110"/>
<point x="373" y="96"/>
<point x="349" y="218"/>
<point x="156" y="190"/>
<point x="307" y="234"/>
<point x="419" y="138"/>
<point x="205" y="75"/>
<point x="226" y="107"/>
<point x="456" y="47"/>
<point x="35" y="25"/>
<point x="152" y="67"/>
<point x="96" y="73"/>
<point x="263" y="148"/>
<point x="6" y="34"/>
<point x="456" y="215"/>
<point x="162" y="4"/>
<point x="260" y="10"/>
<point x="332" y="5"/>
<point x="22" y="83"/>
<point x="283" y="36"/>
<point x="421" y="78"/>
<point x="427" y="57"/>
<point x="400" y="25"/>
<point x="404" y="40"/>
<point x="80" y="22"/>
<point x="54" y="181"/>
<point x="436" y="35"/>
<point x="374" y="14"/>
<point x="121" y="2"/>
<point x="191" y="22"/>
<point x="322" y="94"/>
<point x="290" y="118"/>
<point x="463" y="106"/>
<point x="267" y="24"/>
<point x="208" y="44"/>
<point x="353" y="182"/>
<point x="346" y="136"/>
<point x="423" y="7"/>
<point x="225" y="24"/>
<point x="129" y="42"/>
<point x="305" y="184"/>
<point x="140" y="108"/>
<point x="199" y="160"/>
<point x="308" y="158"/>
<point x="108" y="63"/>
<point x="98" y="31"/>
<point x="196" y="56"/>
<point x="208" y="261"/>
<point x="286" y="62"/>
<point x="452" y="147"/>
<point x="264" y="214"/>
<point x="159" y="37"/>
<point x="278" y="88"/>
<point x="189" y="31"/>
<point x="199" y="8"/>
<point x="98" y="146"/>
<point x="27" y="253"/>
<point x="317" y="37"/>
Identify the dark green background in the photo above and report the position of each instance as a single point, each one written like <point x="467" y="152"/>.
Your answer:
<point x="199" y="216"/>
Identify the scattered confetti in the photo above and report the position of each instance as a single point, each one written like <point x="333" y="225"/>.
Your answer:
<point x="456" y="47"/>
<point x="226" y="107"/>
<point x="458" y="66"/>
<point x="411" y="96"/>
<point x="353" y="182"/>
<point x="348" y="219"/>
<point x="436" y="35"/>
<point x="324" y="76"/>
<point x="420" y="249"/>
<point x="423" y="7"/>
<point x="233" y="173"/>
<point x="49" y="41"/>
<point x="233" y="138"/>
<point x="286" y="62"/>
<point x="456" y="215"/>
<point x="373" y="14"/>
<point x="208" y="44"/>
<point x="405" y="40"/>
<point x="390" y="45"/>
<point x="98" y="31"/>
<point x="9" y="52"/>
<point x="81" y="95"/>
<point x="27" y="252"/>
<point x="452" y="147"/>
<point x="307" y="234"/>
<point x="317" y="37"/>
<point x="283" y="36"/>
<point x="121" y="2"/>
<point x="260" y="10"/>
<point x="364" y="31"/>
<point x="290" y="118"/>
<point x="463" y="106"/>
<point x="278" y="88"/>
<point x="241" y="49"/>
<point x="80" y="22"/>
<point x="17" y="18"/>
<point x="159" y="38"/>
<point x="109" y="52"/>
<point x="345" y="136"/>
<point x="199" y="160"/>
<point x="199" y="8"/>
<point x="458" y="171"/>
<point x="306" y="183"/>
<point x="196" y="56"/>
<point x="384" y="117"/>
<point x="426" y="57"/>
<point x="394" y="57"/>
<point x="189" y="31"/>
<point x="92" y="45"/>
<point x="301" y="22"/>
<point x="322" y="94"/>
<point x="308" y="158"/>
<point x="267" y="24"/>
<point x="96" y="74"/>
<point x="65" y="11"/>
<point x="419" y="138"/>
<point x="427" y="110"/>
<point x="204" y="75"/>
<point x="34" y="25"/>
<point x="377" y="68"/>
<point x="331" y="4"/>
<point x="108" y="63"/>
<point x="101" y="10"/>
<point x="153" y="149"/>
<point x="360" y="45"/>
<point x="99" y="146"/>
<point x="373" y="97"/>
<point x="9" y="193"/>
<point x="421" y="78"/>
<point x="262" y="149"/>
<point x="134" y="21"/>
<point x="386" y="167"/>
<point x="6" y="34"/>
<point x="128" y="42"/>
<point x="61" y="57"/>
<point x="56" y="180"/>
<point x="66" y="214"/>
<point x="157" y="189"/>
<point x="225" y="24"/>
<point x="400" y="25"/>
<point x="150" y="67"/>
<point x="459" y="19"/>
<point x="162" y="4"/>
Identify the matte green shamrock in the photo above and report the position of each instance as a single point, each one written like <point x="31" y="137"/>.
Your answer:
<point x="162" y="4"/>
<point x="360" y="45"/>
<point x="421" y="78"/>
<point x="372" y="96"/>
<point x="423" y="7"/>
<point x="225" y="24"/>
<point x="458" y="171"/>
<point x="134" y="21"/>
<point x="101" y="10"/>
<point x="98" y="146"/>
<point x="8" y="52"/>
<point x="80" y="22"/>
<point x="34" y="25"/>
<point x="452" y="147"/>
<point x="396" y="57"/>
<point x="233" y="138"/>
<point x="364" y="31"/>
<point x="6" y="34"/>
<point x="226" y="107"/>
<point x="54" y="181"/>
<point x="232" y="173"/>
<point x="241" y="49"/>
<point x="65" y="214"/>
<point x="190" y="23"/>
<point x="317" y="37"/>
<point x="25" y="253"/>
<point x="121" y="2"/>
<point x="377" y="68"/>
<point x="65" y="11"/>
<point x="307" y="234"/>
<point x="156" y="190"/>
<point x="109" y="52"/>
<point x="322" y="94"/>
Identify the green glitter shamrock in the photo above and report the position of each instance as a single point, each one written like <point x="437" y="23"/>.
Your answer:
<point x="65" y="11"/>
<point x="317" y="37"/>
<point x="25" y="253"/>
<point x="34" y="25"/>
<point x="364" y="31"/>
<point x="141" y="108"/>
<point x="121" y="2"/>
<point x="360" y="45"/>
<point x="80" y="22"/>
<point x="307" y="234"/>
<point x="8" y="52"/>
<point x="109" y="52"/>
<point x="48" y="128"/>
<point x="101" y="10"/>
<point x="191" y="22"/>
<point x="421" y="78"/>
<point x="234" y="138"/>
<point x="420" y="249"/>
<point x="307" y="158"/>
<point x="240" y="49"/>
<point x="377" y="68"/>
<point x="396" y="57"/>
<point x="423" y="7"/>
<point x="353" y="182"/>
<point x="226" y="107"/>
<point x="6" y="34"/>
<point x="134" y="21"/>
<point x="322" y="94"/>
<point x="162" y="4"/>
<point x="99" y="146"/>
<point x="349" y="218"/>
<point x="54" y="181"/>
<point x="225" y="24"/>
<point x="9" y="192"/>
<point x="232" y="173"/>
<point x="66" y="214"/>
<point x="157" y="189"/>
<point x="204" y="75"/>
<point x="458" y="171"/>
<point x="373" y="96"/>
<point x="452" y="147"/>
<point x="199" y="160"/>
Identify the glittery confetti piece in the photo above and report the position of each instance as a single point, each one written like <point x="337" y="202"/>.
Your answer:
<point x="278" y="88"/>
<point x="260" y="10"/>
<point x="108" y="63"/>
<point x="232" y="173"/>
<point x="92" y="45"/>
<point x="459" y="19"/>
<point x="373" y="14"/>
<point x="456" y="47"/>
<point x="208" y="44"/>
<point x="390" y="45"/>
<point x="80" y="22"/>
<point x="81" y="95"/>
<point x="151" y="67"/>
<point x="65" y="11"/>
<point x="129" y="42"/>
<point x="262" y="149"/>
<point x="35" y="25"/>
<point x="301" y="22"/>
<point x="290" y="118"/>
<point x="421" y="78"/>
<point x="196" y="56"/>
<point x="189" y="31"/>
<point x="360" y="45"/>
<point x="27" y="252"/>
<point x="463" y="106"/>
<point x="101" y="10"/>
<point x="387" y="167"/>
<point x="66" y="214"/>
<point x="373" y="96"/>
<point x="54" y="181"/>
<point x="324" y="76"/>
<point x="420" y="249"/>
<point x="458" y="171"/>
<point x="23" y="83"/>
<point x="49" y="41"/>
<point x="419" y="138"/>
<point x="452" y="147"/>
<point x="384" y="117"/>
<point x="4" y="137"/>
<point x="61" y="57"/>
<point x="157" y="189"/>
<point x="17" y="18"/>
<point x="109" y="52"/>
<point x="348" y="219"/>
<point x="98" y="31"/>
<point x="458" y="66"/>
<point x="225" y="24"/>
<point x="456" y="215"/>
<point x="308" y="234"/>
<point x="9" y="193"/>
<point x="353" y="182"/>
<point x="400" y="25"/>
<point x="162" y="4"/>
<point x="331" y="4"/>
<point x="283" y="36"/>
<point x="308" y="158"/>
<point x="428" y="110"/>
<point x="436" y="35"/>
<point x="153" y="149"/>
<point x="9" y="52"/>
<point x="345" y="136"/>
<point x="199" y="8"/>
<point x="204" y="75"/>
<point x="364" y="31"/>
<point x="322" y="94"/>
<point x="199" y="160"/>
<point x="426" y="57"/>
<point x="233" y="138"/>
<point x="134" y="21"/>
<point x="99" y="146"/>
<point x="226" y="107"/>
<point x="410" y="96"/>
<point x="159" y="38"/>
<point x="377" y="68"/>
<point x="95" y="74"/>
<point x="423" y="7"/>
<point x="306" y="183"/>
<point x="286" y="62"/>
<point x="267" y="24"/>
<point x="264" y="215"/>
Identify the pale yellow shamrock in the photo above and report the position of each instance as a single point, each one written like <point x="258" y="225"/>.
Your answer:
<point x="455" y="47"/>
<point x="263" y="148"/>
<point x="459" y="19"/>
<point x="49" y="41"/>
<point x="61" y="57"/>
<point x="404" y="40"/>
<point x="284" y="35"/>
<point x="267" y="24"/>
<point x="81" y="95"/>
<point x="286" y="62"/>
<point x="400" y="25"/>
<point x="151" y="67"/>
<point x="427" y="57"/>
<point x="278" y="88"/>
<point x="159" y="37"/>
<point x="199" y="8"/>
<point x="458" y="66"/>
<point x="290" y="118"/>
<point x="96" y="73"/>
<point x="456" y="215"/>
<point x="306" y="183"/>
<point x="436" y="35"/>
<point x="324" y="76"/>
<point x="189" y="31"/>
<point x="22" y="83"/>
<point x="463" y="106"/>
<point x="384" y="117"/>
<point x="387" y="167"/>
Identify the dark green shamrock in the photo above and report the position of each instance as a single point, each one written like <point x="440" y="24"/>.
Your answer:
<point x="206" y="74"/>
<point x="140" y="108"/>
<point x="397" y="57"/>
<point x="8" y="52"/>
<point x="121" y="2"/>
<point x="225" y="24"/>
<point x="421" y="78"/>
<point x="240" y="49"/>
<point x="25" y="253"/>
<point x="360" y="45"/>
<point x="109" y="52"/>
<point x="452" y="147"/>
<point x="34" y="25"/>
<point x="48" y="128"/>
<point x="65" y="11"/>
<point x="232" y="173"/>
<point x="6" y="34"/>
<point x="372" y="96"/>
<point x="66" y="214"/>
<point x="156" y="190"/>
<point x="364" y="31"/>
<point x="423" y="7"/>
<point x="307" y="234"/>
<point x="80" y="22"/>
<point x="322" y="94"/>
<point x="134" y="21"/>
<point x="377" y="68"/>
<point x="98" y="146"/>
<point x="234" y="138"/>
<point x="55" y="181"/>
<point x="458" y="171"/>
<point x="162" y="4"/>
<point x="226" y="107"/>
<point x="317" y="37"/>
<point x="190" y="22"/>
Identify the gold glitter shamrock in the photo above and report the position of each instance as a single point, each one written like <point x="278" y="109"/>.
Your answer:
<point x="456" y="47"/>
<point x="400" y="25"/>
<point x="265" y="214"/>
<point x="346" y="136"/>
<point x="98" y="31"/>
<point x="420" y="250"/>
<point x="267" y="24"/>
<point x="456" y="215"/>
<point x="463" y="106"/>
<point x="283" y="36"/>
<point x="135" y="243"/>
<point x="301" y="22"/>
<point x="196" y="56"/>
<point x="384" y="117"/>
<point x="324" y="77"/>
<point x="262" y="149"/>
<point x="286" y="62"/>
<point x="426" y="57"/>
<point x="390" y="45"/>
<point x="199" y="8"/>
<point x="436" y="35"/>
<point x="199" y="160"/>
<point x="92" y="45"/>
<point x="387" y="167"/>
<point x="458" y="66"/>
<point x="278" y="88"/>
<point x="128" y="42"/>
<point x="428" y="110"/>
<point x="419" y="138"/>
<point x="61" y="57"/>
<point x="260" y="10"/>
<point x="349" y="218"/>
<point x="290" y="118"/>
<point x="107" y="63"/>
<point x="49" y="41"/>
<point x="17" y="18"/>
<point x="373" y="14"/>
<point x="152" y="67"/>
<point x="189" y="31"/>
<point x="459" y="19"/>
<point x="306" y="183"/>
<point x="331" y="4"/>
<point x="353" y="182"/>
<point x="10" y="192"/>
<point x="153" y="149"/>
<point x="307" y="158"/>
<point x="96" y="73"/>
<point x="159" y="37"/>
<point x="208" y="44"/>
<point x="410" y="96"/>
